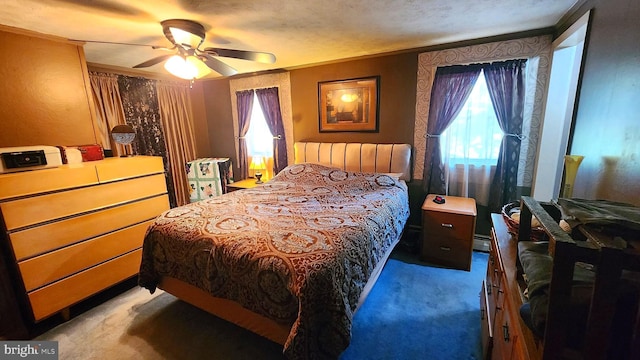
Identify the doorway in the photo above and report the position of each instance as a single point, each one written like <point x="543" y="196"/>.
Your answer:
<point x="568" y="50"/>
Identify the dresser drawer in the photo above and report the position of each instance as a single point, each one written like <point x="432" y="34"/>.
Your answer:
<point x="38" y="209"/>
<point x="504" y="331"/>
<point x="52" y="298"/>
<point x="112" y="169"/>
<point x="46" y="180"/>
<point x="494" y="278"/>
<point x="37" y="240"/>
<point x="55" y="265"/>
<point x="447" y="224"/>
<point x="486" y="324"/>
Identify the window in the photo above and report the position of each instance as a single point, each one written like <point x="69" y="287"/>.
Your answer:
<point x="470" y="146"/>
<point x="259" y="137"/>
<point x="474" y="136"/>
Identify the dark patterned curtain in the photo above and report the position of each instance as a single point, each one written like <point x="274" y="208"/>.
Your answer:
<point x="244" y="104"/>
<point x="505" y="81"/>
<point x="270" y="104"/>
<point x="141" y="111"/>
<point x="452" y="86"/>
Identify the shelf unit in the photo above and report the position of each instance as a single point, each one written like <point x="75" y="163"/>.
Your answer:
<point x="506" y="336"/>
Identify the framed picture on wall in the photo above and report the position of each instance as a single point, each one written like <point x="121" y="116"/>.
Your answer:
<point x="349" y="105"/>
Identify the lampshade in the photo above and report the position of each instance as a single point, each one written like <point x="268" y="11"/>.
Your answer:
<point x="123" y="135"/>
<point x="187" y="68"/>
<point x="181" y="67"/>
<point x="257" y="164"/>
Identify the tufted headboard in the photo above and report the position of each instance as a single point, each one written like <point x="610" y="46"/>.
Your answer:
<point x="382" y="158"/>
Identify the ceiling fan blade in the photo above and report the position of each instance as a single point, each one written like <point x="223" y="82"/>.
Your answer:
<point x="155" y="60"/>
<point x="217" y="65"/>
<point x="154" y="47"/>
<point x="263" y="57"/>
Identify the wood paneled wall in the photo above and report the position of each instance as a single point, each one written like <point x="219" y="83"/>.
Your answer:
<point x="44" y="92"/>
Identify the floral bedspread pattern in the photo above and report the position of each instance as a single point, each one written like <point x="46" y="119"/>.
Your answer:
<point x="298" y="249"/>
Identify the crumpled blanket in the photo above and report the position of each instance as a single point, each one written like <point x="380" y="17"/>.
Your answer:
<point x="600" y="212"/>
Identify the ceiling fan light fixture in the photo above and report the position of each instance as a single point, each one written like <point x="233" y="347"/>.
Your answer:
<point x="182" y="37"/>
<point x="184" y="32"/>
<point x="189" y="61"/>
<point x="182" y="67"/>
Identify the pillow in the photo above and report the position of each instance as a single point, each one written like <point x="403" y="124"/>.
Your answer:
<point x="396" y="176"/>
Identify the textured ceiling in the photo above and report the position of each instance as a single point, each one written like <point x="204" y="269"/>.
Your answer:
<point x="298" y="32"/>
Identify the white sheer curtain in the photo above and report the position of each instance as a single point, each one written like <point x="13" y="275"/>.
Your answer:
<point x="470" y="147"/>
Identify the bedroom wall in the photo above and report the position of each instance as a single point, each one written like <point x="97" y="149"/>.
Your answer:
<point x="607" y="124"/>
<point x="397" y="98"/>
<point x="396" y="113"/>
<point x="44" y="92"/>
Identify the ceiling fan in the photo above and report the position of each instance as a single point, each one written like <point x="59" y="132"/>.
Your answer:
<point x="186" y="37"/>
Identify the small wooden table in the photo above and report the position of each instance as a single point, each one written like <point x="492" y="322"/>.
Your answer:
<point x="448" y="230"/>
<point x="242" y="184"/>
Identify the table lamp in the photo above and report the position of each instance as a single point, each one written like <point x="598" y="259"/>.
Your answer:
<point x="257" y="165"/>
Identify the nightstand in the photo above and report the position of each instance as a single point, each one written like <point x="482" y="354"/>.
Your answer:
<point x="448" y="230"/>
<point x="242" y="184"/>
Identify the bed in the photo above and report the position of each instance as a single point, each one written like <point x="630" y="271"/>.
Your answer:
<point x="293" y="259"/>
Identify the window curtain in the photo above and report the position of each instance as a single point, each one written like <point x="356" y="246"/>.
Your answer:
<point x="451" y="88"/>
<point x="175" y="113"/>
<point x="470" y="146"/>
<point x="140" y="104"/>
<point x="505" y="81"/>
<point x="270" y="104"/>
<point x="109" y="113"/>
<point x="245" y="105"/>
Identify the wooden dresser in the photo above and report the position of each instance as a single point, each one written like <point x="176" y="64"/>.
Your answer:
<point x="504" y="334"/>
<point x="72" y="231"/>
<point x="447" y="231"/>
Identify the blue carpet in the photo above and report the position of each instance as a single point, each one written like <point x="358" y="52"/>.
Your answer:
<point x="416" y="311"/>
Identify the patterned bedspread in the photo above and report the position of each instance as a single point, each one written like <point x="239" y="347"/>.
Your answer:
<point x="298" y="250"/>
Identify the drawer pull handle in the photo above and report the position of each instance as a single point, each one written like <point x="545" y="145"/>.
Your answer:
<point x="450" y="226"/>
<point x="445" y="248"/>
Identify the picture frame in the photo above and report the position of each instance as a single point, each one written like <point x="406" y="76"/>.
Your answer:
<point x="349" y="105"/>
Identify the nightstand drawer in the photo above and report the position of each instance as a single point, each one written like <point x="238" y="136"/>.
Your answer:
<point x="447" y="251"/>
<point x="446" y="224"/>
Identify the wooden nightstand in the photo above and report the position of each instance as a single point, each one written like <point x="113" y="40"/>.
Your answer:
<point x="242" y="184"/>
<point x="447" y="231"/>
